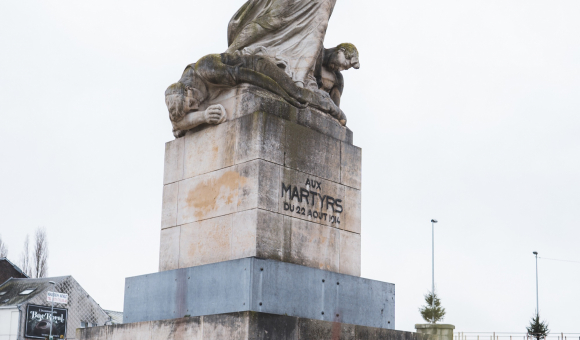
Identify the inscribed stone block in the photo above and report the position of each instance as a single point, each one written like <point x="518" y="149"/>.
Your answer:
<point x="209" y="149"/>
<point x="350" y="248"/>
<point x="204" y="242"/>
<point x="312" y="198"/>
<point x="312" y="152"/>
<point x="169" y="249"/>
<point x="350" y="165"/>
<point x="173" y="164"/>
<point x="169" y="205"/>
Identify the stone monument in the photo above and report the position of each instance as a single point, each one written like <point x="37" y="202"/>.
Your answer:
<point x="261" y="216"/>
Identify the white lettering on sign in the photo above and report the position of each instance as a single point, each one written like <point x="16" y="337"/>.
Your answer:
<point x="57" y="297"/>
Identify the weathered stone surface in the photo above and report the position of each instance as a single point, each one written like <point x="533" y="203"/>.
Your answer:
<point x="209" y="149"/>
<point x="312" y="152"/>
<point x="436" y="331"/>
<point x="204" y="242"/>
<point x="260" y="135"/>
<point x="312" y="245"/>
<point x="317" y="329"/>
<point x="263" y="234"/>
<point x="350" y="253"/>
<point x="260" y="188"/>
<point x="352" y="213"/>
<point x="225" y="326"/>
<point x="174" y="153"/>
<point x="178" y="329"/>
<point x="246" y="99"/>
<point x="241" y="187"/>
<point x="210" y="195"/>
<point x="247" y="326"/>
<point x="169" y="207"/>
<point x="350" y="165"/>
<point x="169" y="249"/>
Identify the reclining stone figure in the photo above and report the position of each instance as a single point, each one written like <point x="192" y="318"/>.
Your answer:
<point x="329" y="65"/>
<point x="184" y="98"/>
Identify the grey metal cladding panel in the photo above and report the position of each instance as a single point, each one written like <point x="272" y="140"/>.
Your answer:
<point x="376" y="302"/>
<point x="295" y="290"/>
<point x="143" y="292"/>
<point x="202" y="290"/>
<point x="241" y="285"/>
<point x="218" y="288"/>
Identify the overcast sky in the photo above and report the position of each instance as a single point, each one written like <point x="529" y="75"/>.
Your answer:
<point x="466" y="111"/>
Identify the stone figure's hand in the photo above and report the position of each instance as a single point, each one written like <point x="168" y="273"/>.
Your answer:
<point x="215" y="114"/>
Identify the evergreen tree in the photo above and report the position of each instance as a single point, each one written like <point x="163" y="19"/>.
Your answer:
<point x="538" y="329"/>
<point x="432" y="312"/>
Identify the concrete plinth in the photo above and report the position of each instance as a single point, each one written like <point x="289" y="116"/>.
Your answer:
<point x="436" y="331"/>
<point x="243" y="326"/>
<point x="271" y="182"/>
<point x="261" y="286"/>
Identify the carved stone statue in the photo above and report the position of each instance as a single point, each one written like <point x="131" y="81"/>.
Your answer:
<point x="330" y="63"/>
<point x="184" y="97"/>
<point x="276" y="45"/>
<point x="290" y="32"/>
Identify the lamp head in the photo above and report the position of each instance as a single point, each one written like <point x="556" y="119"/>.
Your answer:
<point x="433" y="221"/>
<point x="536" y="253"/>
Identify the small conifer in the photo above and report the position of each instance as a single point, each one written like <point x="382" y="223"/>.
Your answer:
<point x="432" y="312"/>
<point x="538" y="329"/>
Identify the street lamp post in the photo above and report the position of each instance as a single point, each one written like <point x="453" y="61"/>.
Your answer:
<point x="433" y="262"/>
<point x="51" y="311"/>
<point x="537" y="299"/>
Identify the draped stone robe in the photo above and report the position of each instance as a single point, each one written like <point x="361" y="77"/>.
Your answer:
<point x="291" y="33"/>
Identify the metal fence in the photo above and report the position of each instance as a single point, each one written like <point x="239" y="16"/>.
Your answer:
<point x="512" y="336"/>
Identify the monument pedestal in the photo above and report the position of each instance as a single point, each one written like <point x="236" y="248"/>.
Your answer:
<point x="243" y="326"/>
<point x="269" y="183"/>
<point x="260" y="234"/>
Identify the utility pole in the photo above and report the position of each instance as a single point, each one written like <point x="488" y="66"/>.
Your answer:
<point x="433" y="263"/>
<point x="51" y="311"/>
<point x="537" y="299"/>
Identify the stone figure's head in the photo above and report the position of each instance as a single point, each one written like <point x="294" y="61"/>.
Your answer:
<point x="175" y="99"/>
<point x="182" y="99"/>
<point x="342" y="57"/>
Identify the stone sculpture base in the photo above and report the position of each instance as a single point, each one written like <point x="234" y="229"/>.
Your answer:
<point x="258" y="285"/>
<point x="271" y="182"/>
<point x="243" y="326"/>
<point x="436" y="331"/>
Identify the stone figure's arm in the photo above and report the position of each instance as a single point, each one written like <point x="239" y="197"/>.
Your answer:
<point x="215" y="114"/>
<point x="336" y="91"/>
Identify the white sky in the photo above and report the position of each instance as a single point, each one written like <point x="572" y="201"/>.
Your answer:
<point x="467" y="111"/>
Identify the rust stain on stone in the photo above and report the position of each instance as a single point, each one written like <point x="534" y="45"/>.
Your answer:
<point x="213" y="193"/>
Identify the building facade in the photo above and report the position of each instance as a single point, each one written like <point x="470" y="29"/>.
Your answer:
<point x="25" y="309"/>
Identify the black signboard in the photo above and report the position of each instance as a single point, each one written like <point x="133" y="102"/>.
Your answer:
<point x="38" y="322"/>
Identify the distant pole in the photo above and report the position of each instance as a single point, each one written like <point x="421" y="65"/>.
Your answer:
<point x="51" y="311"/>
<point x="537" y="299"/>
<point x="433" y="263"/>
